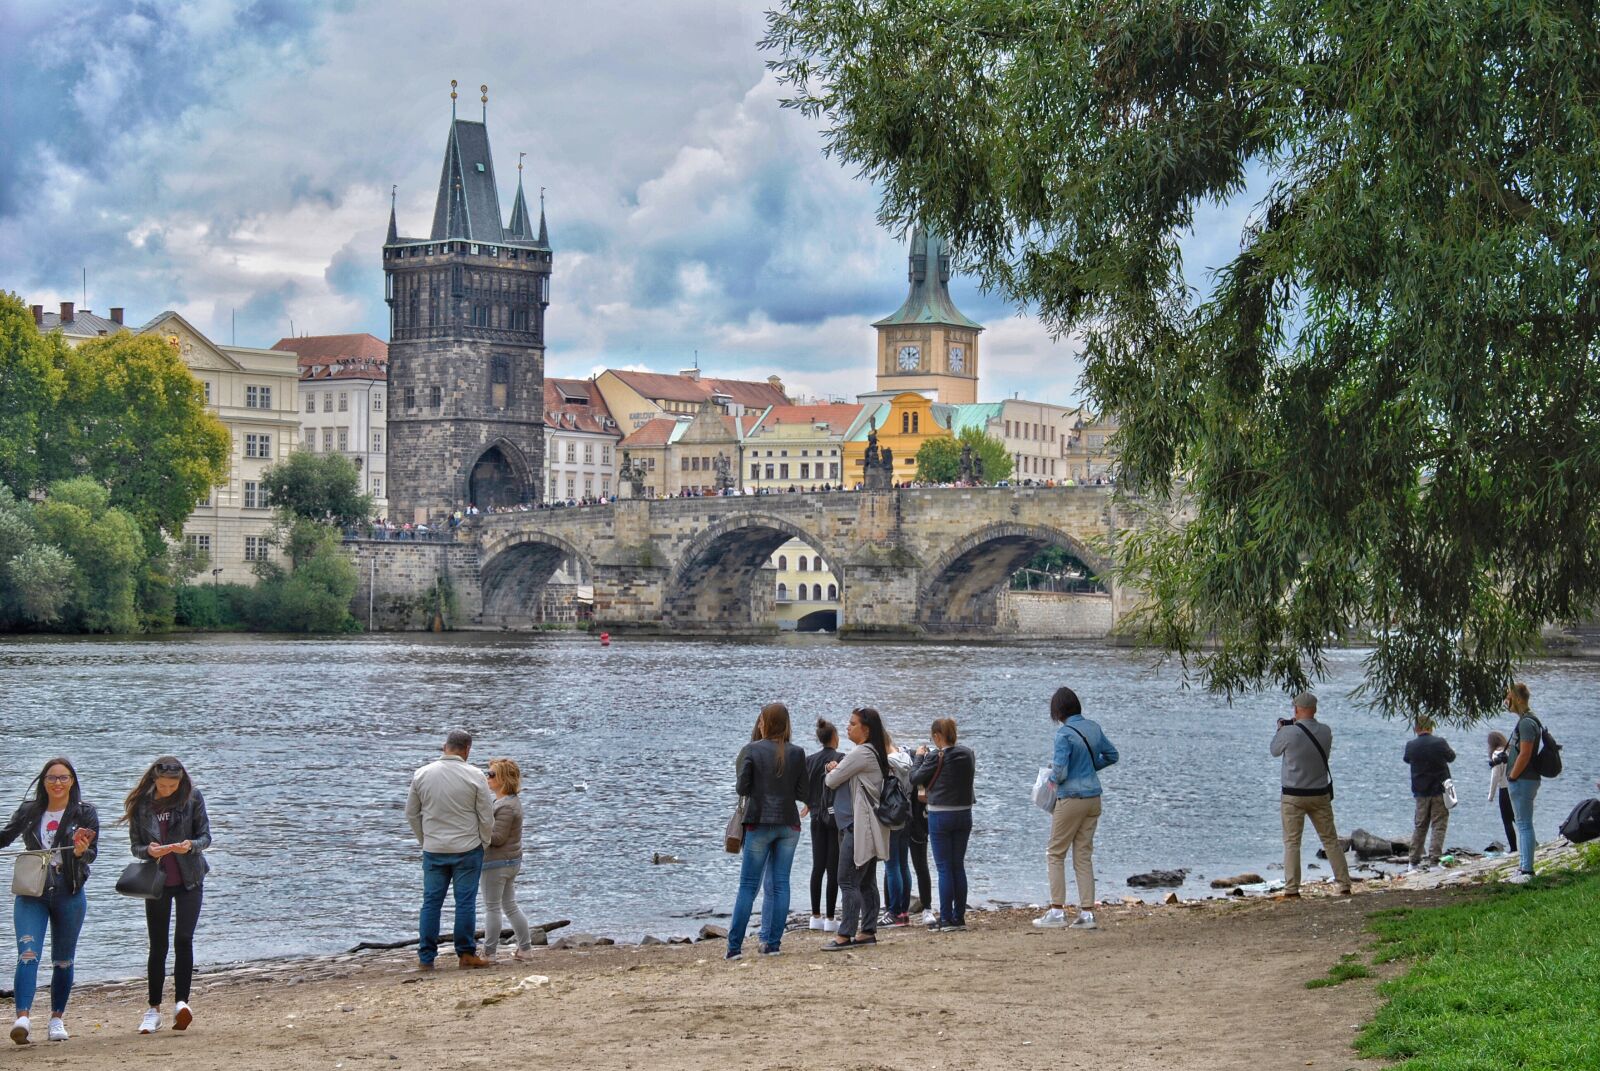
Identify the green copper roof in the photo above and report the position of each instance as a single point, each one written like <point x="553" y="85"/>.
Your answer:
<point x="978" y="415"/>
<point x="929" y="300"/>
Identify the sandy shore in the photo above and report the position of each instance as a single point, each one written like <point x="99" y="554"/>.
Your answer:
<point x="1211" y="984"/>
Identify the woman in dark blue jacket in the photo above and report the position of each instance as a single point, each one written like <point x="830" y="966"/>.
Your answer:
<point x="167" y="824"/>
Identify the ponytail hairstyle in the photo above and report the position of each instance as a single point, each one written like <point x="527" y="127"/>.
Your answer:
<point x="145" y="791"/>
<point x="774" y="725"/>
<point x="827" y="733"/>
<point x="877" y="736"/>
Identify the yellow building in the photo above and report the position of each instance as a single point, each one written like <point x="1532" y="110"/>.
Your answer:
<point x="808" y="592"/>
<point x="902" y="425"/>
<point x="927" y="344"/>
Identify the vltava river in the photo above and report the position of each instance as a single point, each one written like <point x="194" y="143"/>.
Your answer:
<point x="304" y="749"/>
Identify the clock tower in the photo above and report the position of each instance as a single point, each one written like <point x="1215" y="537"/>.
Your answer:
<point x="927" y="344"/>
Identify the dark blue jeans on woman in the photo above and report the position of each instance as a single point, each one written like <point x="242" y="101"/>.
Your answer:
<point x="948" y="833"/>
<point x="897" y="873"/>
<point x="766" y="860"/>
<point x="63" y="915"/>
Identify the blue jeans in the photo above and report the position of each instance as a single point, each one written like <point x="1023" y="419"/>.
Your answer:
<point x="948" y="833"/>
<point x="62" y="915"/>
<point x="460" y="871"/>
<point x="1522" y="793"/>
<point x="765" y="863"/>
<point x="897" y="873"/>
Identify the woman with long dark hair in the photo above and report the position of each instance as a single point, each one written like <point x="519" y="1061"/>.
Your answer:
<point x="55" y="818"/>
<point x="944" y="775"/>
<point x="863" y="840"/>
<point x="168" y="824"/>
<point x="824" y="830"/>
<point x="772" y="778"/>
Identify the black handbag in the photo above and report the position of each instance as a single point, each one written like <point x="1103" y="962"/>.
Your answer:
<point x="142" y="879"/>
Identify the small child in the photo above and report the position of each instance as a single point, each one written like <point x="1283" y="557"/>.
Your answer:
<point x="1498" y="758"/>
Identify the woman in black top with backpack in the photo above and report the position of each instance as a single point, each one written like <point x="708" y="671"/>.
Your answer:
<point x="168" y="826"/>
<point x="824" y="831"/>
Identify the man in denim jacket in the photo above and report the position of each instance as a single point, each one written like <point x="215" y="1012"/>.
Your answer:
<point x="1081" y="751"/>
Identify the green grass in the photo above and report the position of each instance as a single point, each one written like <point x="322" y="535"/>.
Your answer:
<point x="1510" y="979"/>
<point x="1348" y="967"/>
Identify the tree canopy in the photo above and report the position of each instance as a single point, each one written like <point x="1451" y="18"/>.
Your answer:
<point x="318" y="487"/>
<point x="1382" y="411"/>
<point x="939" y="459"/>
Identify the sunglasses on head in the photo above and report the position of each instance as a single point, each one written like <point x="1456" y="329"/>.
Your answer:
<point x="168" y="769"/>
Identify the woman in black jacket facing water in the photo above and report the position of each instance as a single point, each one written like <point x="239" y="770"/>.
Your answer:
<point x="772" y="778"/>
<point x="167" y="824"/>
<point x="947" y="772"/>
<point x="824" y="830"/>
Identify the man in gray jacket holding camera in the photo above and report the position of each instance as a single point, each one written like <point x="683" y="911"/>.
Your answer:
<point x="451" y="811"/>
<point x="1305" y="744"/>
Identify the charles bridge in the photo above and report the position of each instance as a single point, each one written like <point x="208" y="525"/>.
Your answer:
<point x="907" y="561"/>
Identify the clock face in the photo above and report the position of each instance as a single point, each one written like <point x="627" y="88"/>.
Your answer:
<point x="910" y="358"/>
<point x="958" y="359"/>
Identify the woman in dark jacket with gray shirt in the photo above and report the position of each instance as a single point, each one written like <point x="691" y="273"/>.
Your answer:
<point x="772" y="778"/>
<point x="945" y="774"/>
<point x="168" y="824"/>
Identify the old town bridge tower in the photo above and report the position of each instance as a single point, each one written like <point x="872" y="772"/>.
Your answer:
<point x="466" y="342"/>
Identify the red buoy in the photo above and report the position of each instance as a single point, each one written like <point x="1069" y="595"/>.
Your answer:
<point x="605" y="639"/>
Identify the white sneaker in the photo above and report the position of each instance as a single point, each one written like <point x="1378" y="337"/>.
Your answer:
<point x="1413" y="869"/>
<point x="19" y="1032"/>
<point x="1521" y="877"/>
<point x="58" y="1030"/>
<point x="1054" y="919"/>
<point x="817" y="923"/>
<point x="182" y="1016"/>
<point x="830" y="925"/>
<point x="930" y="917"/>
<point x="151" y="1021"/>
<point x="1084" y="921"/>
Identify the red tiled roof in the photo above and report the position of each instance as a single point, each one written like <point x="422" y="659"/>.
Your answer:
<point x="837" y="415"/>
<point x="653" y="433"/>
<point x="659" y="386"/>
<point x="338" y="356"/>
<point x="561" y="411"/>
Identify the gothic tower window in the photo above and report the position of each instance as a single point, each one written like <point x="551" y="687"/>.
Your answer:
<point x="500" y="381"/>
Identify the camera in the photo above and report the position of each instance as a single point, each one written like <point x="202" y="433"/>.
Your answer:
<point x="1285" y="721"/>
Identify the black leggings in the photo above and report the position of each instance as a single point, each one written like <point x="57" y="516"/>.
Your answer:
<point x="919" y="863"/>
<point x="824" y="863"/>
<point x="157" y="916"/>
<point x="1508" y="819"/>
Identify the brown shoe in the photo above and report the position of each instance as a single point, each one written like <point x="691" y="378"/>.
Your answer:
<point x="1345" y="890"/>
<point x="1287" y="896"/>
<point x="469" y="961"/>
<point x="424" y="966"/>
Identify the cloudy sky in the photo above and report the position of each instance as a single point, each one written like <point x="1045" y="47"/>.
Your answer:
<point x="235" y="160"/>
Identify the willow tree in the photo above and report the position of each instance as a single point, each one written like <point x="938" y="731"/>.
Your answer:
<point x="1384" y="410"/>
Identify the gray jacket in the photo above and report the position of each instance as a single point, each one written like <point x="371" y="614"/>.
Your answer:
<point x="505" y="843"/>
<point x="859" y="769"/>
<point x="1304" y="773"/>
<point x="451" y="809"/>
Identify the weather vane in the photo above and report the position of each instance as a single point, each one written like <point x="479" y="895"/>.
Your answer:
<point x="520" y="155"/>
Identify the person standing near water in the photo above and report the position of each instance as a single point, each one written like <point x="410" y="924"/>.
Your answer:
<point x="451" y="812"/>
<point x="1429" y="758"/>
<point x="772" y="778"/>
<point x="857" y="781"/>
<point x="1499" y="793"/>
<point x="824" y="831"/>
<point x="502" y="862"/>
<point x="1081" y="752"/>
<point x="1522" y="776"/>
<point x="56" y="817"/>
<point x="945" y="774"/>
<point x="1307" y="786"/>
<point x="167" y="823"/>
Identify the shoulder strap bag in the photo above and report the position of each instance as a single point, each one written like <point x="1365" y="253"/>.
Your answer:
<point x="142" y="879"/>
<point x="922" y="790"/>
<point x="1311" y="736"/>
<point x="31" y="872"/>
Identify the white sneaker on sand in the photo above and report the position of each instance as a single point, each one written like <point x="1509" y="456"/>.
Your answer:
<point x="1521" y="877"/>
<point x="182" y="1016"/>
<point x="1084" y="921"/>
<point x="1054" y="919"/>
<point x="19" y="1032"/>
<point x="58" y="1030"/>
<point x="817" y="922"/>
<point x="830" y="925"/>
<point x="930" y="917"/>
<point x="151" y="1021"/>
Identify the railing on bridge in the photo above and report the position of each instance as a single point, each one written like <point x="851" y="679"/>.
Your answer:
<point x="414" y="534"/>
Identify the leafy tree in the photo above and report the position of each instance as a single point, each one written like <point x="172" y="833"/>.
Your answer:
<point x="33" y="574"/>
<point x="318" y="487"/>
<point x="939" y="460"/>
<point x="30" y="387"/>
<point x="1384" y="412"/>
<point x="105" y="548"/>
<point x="133" y="417"/>
<point x="312" y="597"/>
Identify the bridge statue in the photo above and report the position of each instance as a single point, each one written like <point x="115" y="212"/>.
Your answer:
<point x="877" y="473"/>
<point x="724" y="478"/>
<point x="968" y="471"/>
<point x="630" y="477"/>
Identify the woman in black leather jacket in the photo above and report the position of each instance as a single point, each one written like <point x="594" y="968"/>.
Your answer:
<point x="56" y="817"/>
<point x="947" y="772"/>
<point x="167" y="824"/>
<point x="772" y="778"/>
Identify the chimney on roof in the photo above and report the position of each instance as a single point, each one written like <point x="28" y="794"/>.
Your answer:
<point x="690" y="373"/>
<point x="38" y="316"/>
<point x="775" y="383"/>
<point x="116" y="315"/>
<point x="66" y="312"/>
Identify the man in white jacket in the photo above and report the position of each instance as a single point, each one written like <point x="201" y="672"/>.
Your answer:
<point x="451" y="811"/>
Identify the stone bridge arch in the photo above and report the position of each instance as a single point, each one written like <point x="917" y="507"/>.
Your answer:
<point x="959" y="589"/>
<point x="514" y="570"/>
<point x="712" y="586"/>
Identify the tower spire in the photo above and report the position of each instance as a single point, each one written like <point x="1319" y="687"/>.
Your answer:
<point x="394" y="232"/>
<point x="544" y="233"/>
<point x="519" y="227"/>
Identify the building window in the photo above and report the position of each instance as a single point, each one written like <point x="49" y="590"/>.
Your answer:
<point x="905" y="423"/>
<point x="805" y="471"/>
<point x="206" y="386"/>
<point x="605" y="454"/>
<point x="254" y="496"/>
<point x="800" y="590"/>
<point x="605" y="486"/>
<point x="327" y="440"/>
<point x="572" y="487"/>
<point x="500" y="381"/>
<point x="377" y="442"/>
<point x="344" y="438"/>
<point x="783" y="472"/>
<point x="198" y="545"/>
<point x="257" y="397"/>
<point x="588" y="453"/>
<point x="783" y="561"/>
<point x="255" y="549"/>
<point x="783" y="592"/>
<point x="258" y="446"/>
<point x="816" y="592"/>
<point x="377" y="487"/>
<point x="833" y="592"/>
<point x="572" y="453"/>
<point x="344" y="401"/>
<point x="1008" y="429"/>
<point x="833" y="470"/>
<point x="377" y="401"/>
<point x="816" y="564"/>
<point x="804" y="564"/>
<point x="588" y="486"/>
<point x="311" y="402"/>
<point x="916" y="418"/>
<point x="694" y="464"/>
<point x="411" y="397"/>
<point x="755" y="470"/>
<point x="435" y="397"/>
<point x="770" y="471"/>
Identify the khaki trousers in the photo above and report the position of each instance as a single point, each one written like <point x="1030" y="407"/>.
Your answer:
<point x="1295" y="810"/>
<point x="1072" y="825"/>
<point x="1431" y="814"/>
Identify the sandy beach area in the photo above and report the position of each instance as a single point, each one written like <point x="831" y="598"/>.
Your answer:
<point x="1213" y="984"/>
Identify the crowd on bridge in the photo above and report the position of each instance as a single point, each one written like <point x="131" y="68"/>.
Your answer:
<point x="879" y="802"/>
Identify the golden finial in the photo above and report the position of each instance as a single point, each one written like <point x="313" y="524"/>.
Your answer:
<point x="452" y="89"/>
<point x="520" y="155"/>
<point x="485" y="91"/>
<point x="452" y="100"/>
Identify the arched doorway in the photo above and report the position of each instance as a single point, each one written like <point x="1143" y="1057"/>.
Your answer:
<point x="819" y="621"/>
<point x="498" y="478"/>
<point x="961" y="591"/>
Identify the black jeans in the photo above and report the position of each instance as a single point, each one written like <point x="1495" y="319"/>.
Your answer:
<point x="1508" y="819"/>
<point x="157" y="916"/>
<point x="860" y="887"/>
<point x="919" y="860"/>
<point x="824" y="864"/>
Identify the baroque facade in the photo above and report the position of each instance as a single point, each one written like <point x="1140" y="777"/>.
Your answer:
<point x="467" y="343"/>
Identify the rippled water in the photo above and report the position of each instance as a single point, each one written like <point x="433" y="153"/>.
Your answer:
<point x="304" y="749"/>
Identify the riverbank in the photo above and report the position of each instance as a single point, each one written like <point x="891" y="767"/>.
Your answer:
<point x="1208" y="984"/>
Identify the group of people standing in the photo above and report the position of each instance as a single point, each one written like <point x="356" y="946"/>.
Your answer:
<point x="167" y="828"/>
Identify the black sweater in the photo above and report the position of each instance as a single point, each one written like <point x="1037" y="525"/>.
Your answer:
<point x="1429" y="758"/>
<point x="952" y="784"/>
<point x="774" y="796"/>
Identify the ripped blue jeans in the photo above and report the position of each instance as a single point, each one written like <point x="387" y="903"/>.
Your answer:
<point x="63" y="915"/>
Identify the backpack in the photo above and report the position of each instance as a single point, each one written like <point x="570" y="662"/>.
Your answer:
<point x="1548" y="761"/>
<point x="1583" y="823"/>
<point x="894" y="806"/>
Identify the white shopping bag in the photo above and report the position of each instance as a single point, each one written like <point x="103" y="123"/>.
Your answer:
<point x="1044" y="791"/>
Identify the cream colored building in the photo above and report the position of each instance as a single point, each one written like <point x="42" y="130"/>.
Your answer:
<point x="580" y="442"/>
<point x="633" y="399"/>
<point x="808" y="592"/>
<point x="797" y="447"/>
<point x="1037" y="435"/>
<point x="680" y="455"/>
<point x="344" y="388"/>
<point x="255" y="393"/>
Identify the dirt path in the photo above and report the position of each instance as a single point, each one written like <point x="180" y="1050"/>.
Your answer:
<point x="1215" y="985"/>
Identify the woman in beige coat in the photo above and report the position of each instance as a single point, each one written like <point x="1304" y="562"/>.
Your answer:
<point x="863" y="840"/>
